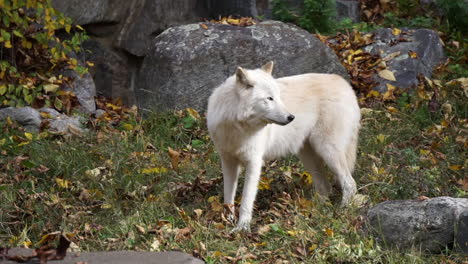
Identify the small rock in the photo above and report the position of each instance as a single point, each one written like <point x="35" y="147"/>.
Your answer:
<point x="461" y="234"/>
<point x="425" y="44"/>
<point x="99" y="113"/>
<point x="427" y="225"/>
<point x="28" y="117"/>
<point x="348" y="9"/>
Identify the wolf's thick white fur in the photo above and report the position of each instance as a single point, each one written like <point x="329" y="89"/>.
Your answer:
<point x="249" y="120"/>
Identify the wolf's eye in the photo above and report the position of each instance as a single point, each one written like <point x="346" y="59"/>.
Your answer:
<point x="270" y="98"/>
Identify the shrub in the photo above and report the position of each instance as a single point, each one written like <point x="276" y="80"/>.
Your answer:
<point x="315" y="16"/>
<point x="456" y="12"/>
<point x="31" y="54"/>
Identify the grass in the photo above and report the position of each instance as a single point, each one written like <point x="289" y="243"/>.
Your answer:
<point x="116" y="187"/>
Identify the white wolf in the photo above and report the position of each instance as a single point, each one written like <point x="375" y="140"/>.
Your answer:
<point x="253" y="117"/>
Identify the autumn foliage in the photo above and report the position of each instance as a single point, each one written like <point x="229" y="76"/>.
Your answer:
<point x="32" y="56"/>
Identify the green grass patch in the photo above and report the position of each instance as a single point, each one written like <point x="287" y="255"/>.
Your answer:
<point x="122" y="188"/>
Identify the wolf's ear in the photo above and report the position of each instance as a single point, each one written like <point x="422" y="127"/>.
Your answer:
<point x="268" y="67"/>
<point x="241" y="76"/>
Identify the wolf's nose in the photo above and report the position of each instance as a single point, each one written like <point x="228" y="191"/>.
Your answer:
<point x="290" y="118"/>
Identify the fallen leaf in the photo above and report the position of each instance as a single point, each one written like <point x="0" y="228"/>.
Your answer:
<point x="329" y="232"/>
<point x="174" y="155"/>
<point x="455" y="167"/>
<point x="28" y="135"/>
<point x="154" y="170"/>
<point x="193" y="113"/>
<point x="387" y="74"/>
<point x="413" y="54"/>
<point x="388" y="95"/>
<point x="396" y="31"/>
<point x="63" y="183"/>
<point x="306" y="178"/>
<point x="204" y="26"/>
<point x="50" y="88"/>
<point x="155" y="245"/>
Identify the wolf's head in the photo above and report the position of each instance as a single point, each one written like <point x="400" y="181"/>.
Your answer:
<point x="259" y="96"/>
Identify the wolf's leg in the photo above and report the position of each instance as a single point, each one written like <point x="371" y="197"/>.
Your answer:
<point x="314" y="164"/>
<point x="252" y="177"/>
<point x="335" y="158"/>
<point x="231" y="168"/>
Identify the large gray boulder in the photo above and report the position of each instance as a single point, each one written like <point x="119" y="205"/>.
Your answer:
<point x="425" y="43"/>
<point x="93" y="11"/>
<point x="147" y="19"/>
<point x="186" y="63"/>
<point x="429" y="225"/>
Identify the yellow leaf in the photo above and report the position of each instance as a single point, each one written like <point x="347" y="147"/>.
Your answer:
<point x="174" y="155"/>
<point x="27" y="243"/>
<point x="8" y="44"/>
<point x="412" y="54"/>
<point x="48" y="237"/>
<point x="392" y="109"/>
<point x="28" y="135"/>
<point x="90" y="64"/>
<point x="455" y="167"/>
<point x="424" y="152"/>
<point x="79" y="27"/>
<point x="212" y="199"/>
<point x="292" y="232"/>
<point x="68" y="28"/>
<point x="50" y="88"/>
<point x="204" y="26"/>
<point x="63" y="183"/>
<point x="388" y="95"/>
<point x="329" y="232"/>
<point x="313" y="247"/>
<point x="381" y="138"/>
<point x="154" y="170"/>
<point x="386" y="74"/>
<point x="307" y="178"/>
<point x="218" y="254"/>
<point x="23" y="143"/>
<point x="127" y="126"/>
<point x="373" y="93"/>
<point x="106" y="206"/>
<point x="396" y="31"/>
<point x="2" y="141"/>
<point x="264" y="183"/>
<point x="193" y="113"/>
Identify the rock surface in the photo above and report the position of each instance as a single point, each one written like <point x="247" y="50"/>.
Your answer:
<point x="84" y="89"/>
<point x="348" y="9"/>
<point x="111" y="72"/>
<point x="461" y="234"/>
<point x="147" y="19"/>
<point x="427" y="225"/>
<point x="114" y="257"/>
<point x="186" y="63"/>
<point x="28" y="117"/>
<point x="424" y="42"/>
<point x="93" y="11"/>
<point x="31" y="120"/>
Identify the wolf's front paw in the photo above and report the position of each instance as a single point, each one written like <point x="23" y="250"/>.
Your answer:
<point x="230" y="213"/>
<point x="242" y="226"/>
